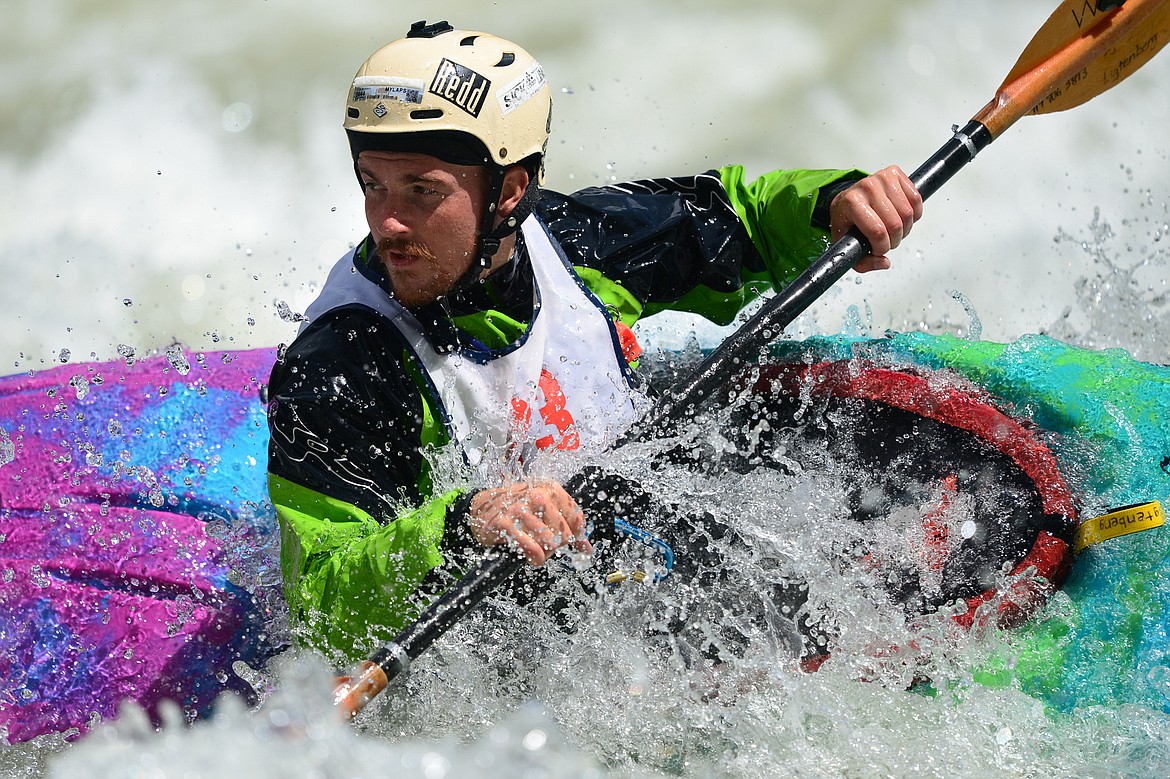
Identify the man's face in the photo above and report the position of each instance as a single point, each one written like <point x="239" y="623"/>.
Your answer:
<point x="424" y="215"/>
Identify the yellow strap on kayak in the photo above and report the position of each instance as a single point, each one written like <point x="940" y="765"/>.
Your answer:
<point x="1119" y="522"/>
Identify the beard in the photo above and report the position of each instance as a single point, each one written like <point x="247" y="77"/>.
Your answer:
<point x="422" y="281"/>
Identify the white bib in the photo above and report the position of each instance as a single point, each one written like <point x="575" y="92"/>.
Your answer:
<point x="564" y="385"/>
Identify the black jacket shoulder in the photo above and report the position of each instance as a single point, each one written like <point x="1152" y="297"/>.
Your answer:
<point x="345" y="415"/>
<point x="658" y="238"/>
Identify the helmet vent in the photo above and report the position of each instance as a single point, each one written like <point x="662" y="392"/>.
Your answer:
<point x="427" y="113"/>
<point x="468" y="41"/>
<point x="353" y="113"/>
<point x="506" y="60"/>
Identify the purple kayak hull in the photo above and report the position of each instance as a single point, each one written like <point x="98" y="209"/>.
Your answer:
<point x="125" y="488"/>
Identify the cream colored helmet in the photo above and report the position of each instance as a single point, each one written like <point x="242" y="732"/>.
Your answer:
<point x="468" y="98"/>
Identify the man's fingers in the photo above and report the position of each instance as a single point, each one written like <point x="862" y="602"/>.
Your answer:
<point x="899" y="202"/>
<point x="532" y="550"/>
<point x="564" y="515"/>
<point x="912" y="195"/>
<point x="905" y="202"/>
<point x="882" y="232"/>
<point x="579" y="526"/>
<point x="883" y="207"/>
<point x="525" y="534"/>
<point x="537" y="519"/>
<point x="551" y="525"/>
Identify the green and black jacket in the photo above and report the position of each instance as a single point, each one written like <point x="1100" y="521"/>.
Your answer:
<point x="366" y="541"/>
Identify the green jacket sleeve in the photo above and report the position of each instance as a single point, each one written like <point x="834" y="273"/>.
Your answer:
<point x="351" y="582"/>
<point x="777" y="210"/>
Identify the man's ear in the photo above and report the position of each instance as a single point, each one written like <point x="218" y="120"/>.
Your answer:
<point x="515" y="185"/>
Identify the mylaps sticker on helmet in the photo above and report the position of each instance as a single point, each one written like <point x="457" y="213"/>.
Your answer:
<point x="522" y="89"/>
<point x="462" y="86"/>
<point x="404" y="90"/>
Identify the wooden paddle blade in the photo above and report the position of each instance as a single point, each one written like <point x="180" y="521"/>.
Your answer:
<point x="1070" y="21"/>
<point x="1079" y="53"/>
<point x="1135" y="49"/>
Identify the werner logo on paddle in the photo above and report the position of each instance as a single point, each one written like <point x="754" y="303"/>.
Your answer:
<point x="462" y="86"/>
<point x="1090" y="10"/>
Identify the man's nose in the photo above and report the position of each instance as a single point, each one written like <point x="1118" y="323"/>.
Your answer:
<point x="387" y="215"/>
<point x="391" y="223"/>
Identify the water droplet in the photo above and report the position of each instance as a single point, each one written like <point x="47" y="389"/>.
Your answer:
<point x="80" y="386"/>
<point x="177" y="359"/>
<point x="287" y="314"/>
<point x="237" y="117"/>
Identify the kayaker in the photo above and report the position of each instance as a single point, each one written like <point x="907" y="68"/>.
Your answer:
<point x="486" y="311"/>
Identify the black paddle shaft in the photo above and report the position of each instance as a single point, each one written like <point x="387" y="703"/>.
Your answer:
<point x="684" y="398"/>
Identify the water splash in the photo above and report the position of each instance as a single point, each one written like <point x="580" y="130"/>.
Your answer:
<point x="1125" y="301"/>
<point x="975" y="328"/>
<point x="297" y="732"/>
<point x="285" y="312"/>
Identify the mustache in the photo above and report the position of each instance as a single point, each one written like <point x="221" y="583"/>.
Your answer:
<point x="402" y="246"/>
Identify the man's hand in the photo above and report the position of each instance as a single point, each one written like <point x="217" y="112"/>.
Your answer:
<point x="883" y="207"/>
<point x="536" y="518"/>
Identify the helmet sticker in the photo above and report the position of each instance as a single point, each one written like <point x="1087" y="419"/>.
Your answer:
<point x="405" y="90"/>
<point x="522" y="89"/>
<point x="460" y="85"/>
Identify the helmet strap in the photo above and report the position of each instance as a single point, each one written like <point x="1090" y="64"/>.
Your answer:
<point x="491" y="234"/>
